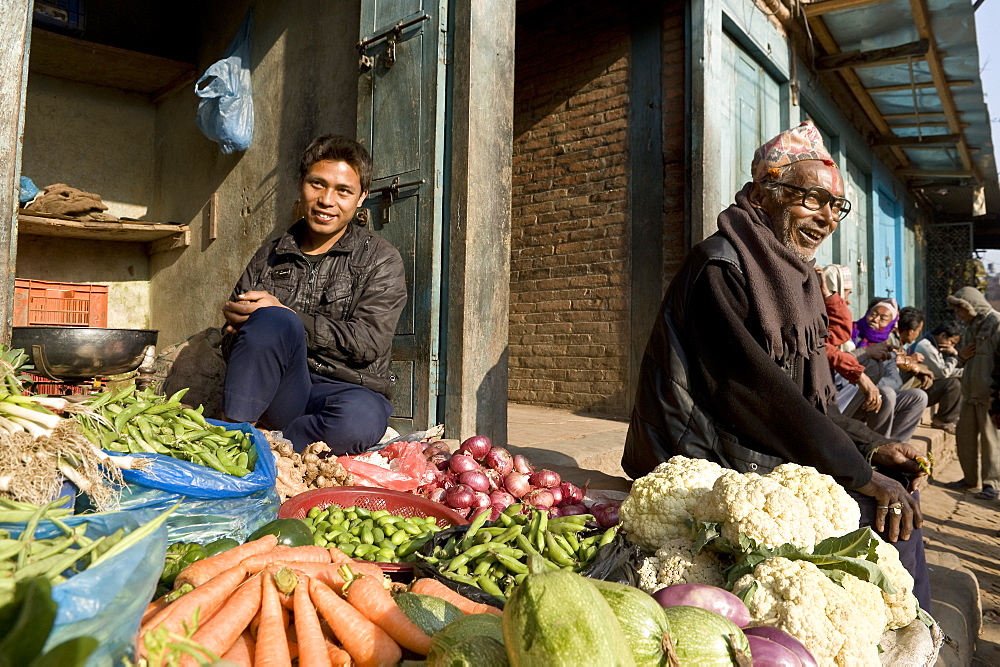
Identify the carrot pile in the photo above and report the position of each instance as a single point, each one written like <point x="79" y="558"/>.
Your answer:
<point x="263" y="604"/>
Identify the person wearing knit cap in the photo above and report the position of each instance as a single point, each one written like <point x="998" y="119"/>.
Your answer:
<point x="735" y="370"/>
<point x="976" y="436"/>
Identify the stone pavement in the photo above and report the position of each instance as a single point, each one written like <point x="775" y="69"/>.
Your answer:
<point x="960" y="532"/>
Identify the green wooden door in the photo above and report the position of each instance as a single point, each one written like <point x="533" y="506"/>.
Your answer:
<point x="853" y="231"/>
<point x="750" y="105"/>
<point x="401" y="85"/>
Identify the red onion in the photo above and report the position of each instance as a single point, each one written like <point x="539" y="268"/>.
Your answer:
<point x="502" y="499"/>
<point x="606" y="516"/>
<point x="478" y="446"/>
<point x="545" y="479"/>
<point x="476" y="480"/>
<point x="496" y="511"/>
<point x="571" y="493"/>
<point x="440" y="460"/>
<point x="516" y="484"/>
<point x="555" y="512"/>
<point x="522" y="466"/>
<point x="540" y="498"/>
<point x="496" y="479"/>
<point x="460" y="497"/>
<point x="437" y="495"/>
<point x="574" y="510"/>
<point x="463" y="463"/>
<point x="439" y="445"/>
<point x="481" y="500"/>
<point x="557" y="496"/>
<point x="500" y="460"/>
<point x="434" y="450"/>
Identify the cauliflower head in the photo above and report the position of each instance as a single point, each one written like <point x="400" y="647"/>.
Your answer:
<point x="759" y="507"/>
<point x="834" y="622"/>
<point x="901" y="606"/>
<point x="679" y="564"/>
<point x="660" y="502"/>
<point x="831" y="508"/>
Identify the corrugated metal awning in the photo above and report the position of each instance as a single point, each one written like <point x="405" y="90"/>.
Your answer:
<point x="913" y="66"/>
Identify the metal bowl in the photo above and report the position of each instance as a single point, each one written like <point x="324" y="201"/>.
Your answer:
<point x="82" y="353"/>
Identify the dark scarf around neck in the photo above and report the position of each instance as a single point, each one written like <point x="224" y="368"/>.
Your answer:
<point x="784" y="294"/>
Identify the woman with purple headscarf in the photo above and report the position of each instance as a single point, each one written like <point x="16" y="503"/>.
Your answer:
<point x="877" y="323"/>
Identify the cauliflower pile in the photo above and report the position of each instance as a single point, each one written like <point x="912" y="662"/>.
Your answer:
<point x="840" y="625"/>
<point x="660" y="502"/>
<point x="760" y="508"/>
<point x="676" y="563"/>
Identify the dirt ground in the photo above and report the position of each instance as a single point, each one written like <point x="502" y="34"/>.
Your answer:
<point x="959" y="523"/>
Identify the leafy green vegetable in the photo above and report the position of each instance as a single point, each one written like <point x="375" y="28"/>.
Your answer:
<point x="25" y="624"/>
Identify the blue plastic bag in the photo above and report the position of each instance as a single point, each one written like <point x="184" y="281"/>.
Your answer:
<point x="225" y="112"/>
<point x="28" y="190"/>
<point x="106" y="601"/>
<point x="213" y="504"/>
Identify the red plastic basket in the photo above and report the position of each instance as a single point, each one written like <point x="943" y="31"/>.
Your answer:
<point x="395" y="502"/>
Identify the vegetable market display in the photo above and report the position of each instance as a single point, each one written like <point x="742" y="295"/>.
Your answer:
<point x="135" y="422"/>
<point x="787" y="543"/>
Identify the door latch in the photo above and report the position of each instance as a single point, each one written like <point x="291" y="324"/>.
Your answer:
<point x="391" y="36"/>
<point x="390" y="193"/>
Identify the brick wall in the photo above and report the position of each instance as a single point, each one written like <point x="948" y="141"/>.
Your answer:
<point x="569" y="268"/>
<point x="569" y="301"/>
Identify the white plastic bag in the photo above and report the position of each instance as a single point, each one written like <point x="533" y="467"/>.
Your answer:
<point x="225" y="112"/>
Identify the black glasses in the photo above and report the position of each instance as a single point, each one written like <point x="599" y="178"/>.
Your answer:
<point x="815" y="198"/>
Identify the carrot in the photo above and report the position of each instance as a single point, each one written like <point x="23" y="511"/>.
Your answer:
<point x="338" y="656"/>
<point x="225" y="627"/>
<point x="272" y="639"/>
<point x="306" y="554"/>
<point x="312" y="644"/>
<point x="370" y="597"/>
<point x="242" y="651"/>
<point x="368" y="644"/>
<point x="434" y="587"/>
<point x="153" y="608"/>
<point x="208" y="598"/>
<point x="338" y="556"/>
<point x="201" y="571"/>
<point x="328" y="574"/>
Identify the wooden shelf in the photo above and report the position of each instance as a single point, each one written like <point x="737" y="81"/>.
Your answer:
<point x="159" y="237"/>
<point x="65" y="57"/>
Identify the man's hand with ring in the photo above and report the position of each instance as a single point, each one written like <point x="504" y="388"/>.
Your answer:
<point x="892" y="502"/>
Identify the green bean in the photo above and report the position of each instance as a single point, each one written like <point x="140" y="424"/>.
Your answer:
<point x="128" y="413"/>
<point x="608" y="536"/>
<point x="489" y="586"/>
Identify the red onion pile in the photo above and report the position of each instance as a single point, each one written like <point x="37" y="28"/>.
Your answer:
<point x="479" y="477"/>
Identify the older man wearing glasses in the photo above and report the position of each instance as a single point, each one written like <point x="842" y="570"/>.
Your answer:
<point x="736" y="371"/>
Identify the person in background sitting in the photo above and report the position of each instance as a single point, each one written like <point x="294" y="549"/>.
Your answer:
<point x="944" y="391"/>
<point x="836" y="283"/>
<point x="901" y="408"/>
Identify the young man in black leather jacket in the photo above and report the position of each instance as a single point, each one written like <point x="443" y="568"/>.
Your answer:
<point x="310" y="323"/>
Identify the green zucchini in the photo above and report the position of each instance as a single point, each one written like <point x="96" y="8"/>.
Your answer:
<point x="473" y="625"/>
<point x="427" y="612"/>
<point x="702" y="637"/>
<point x="472" y="652"/>
<point x="641" y="618"/>
<point x="560" y="619"/>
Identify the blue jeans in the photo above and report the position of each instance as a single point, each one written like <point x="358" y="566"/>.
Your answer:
<point x="268" y="381"/>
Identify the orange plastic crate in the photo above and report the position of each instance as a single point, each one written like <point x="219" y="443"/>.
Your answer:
<point x="45" y="303"/>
